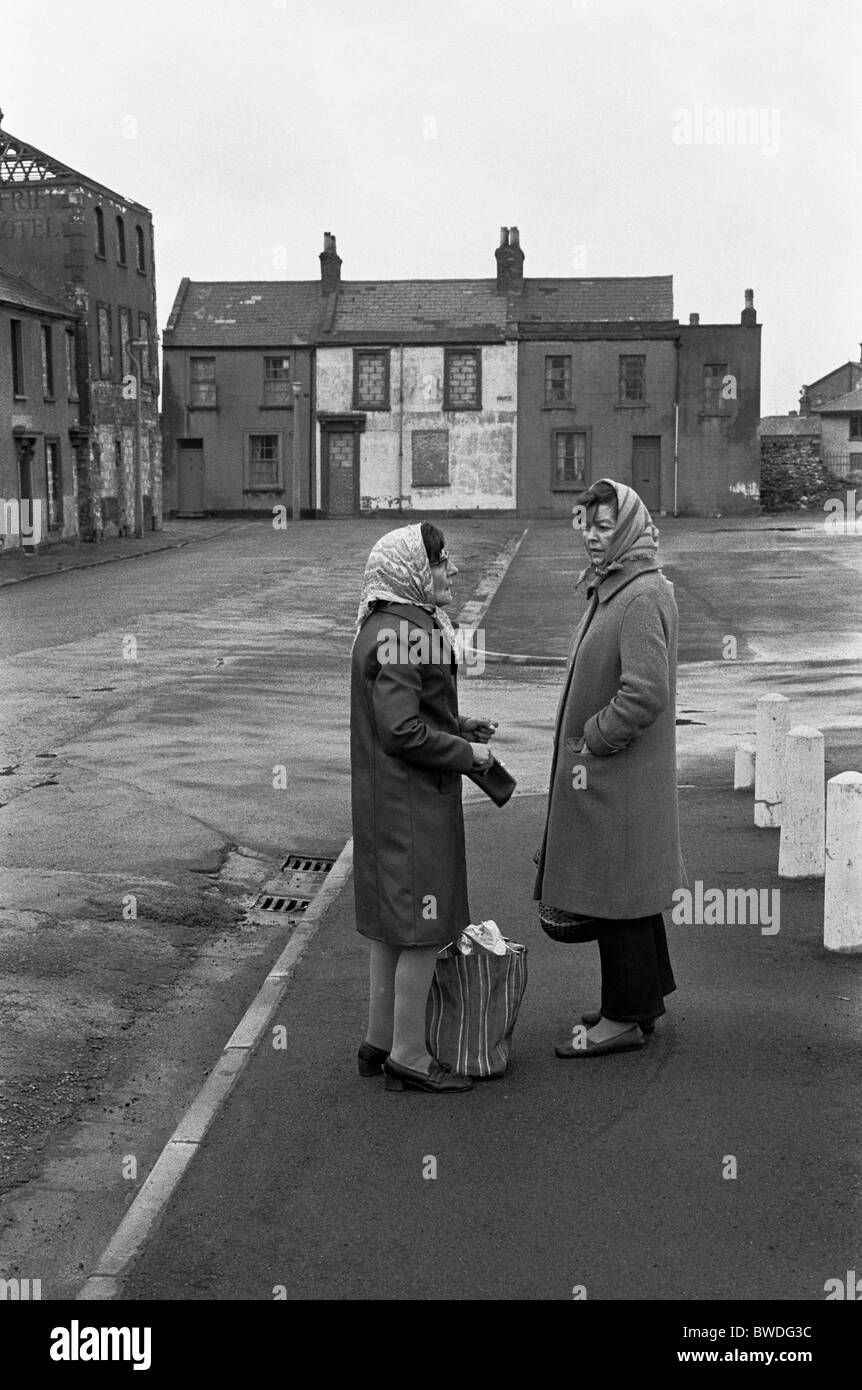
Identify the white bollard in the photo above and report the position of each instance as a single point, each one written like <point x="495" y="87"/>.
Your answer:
<point x="773" y="724"/>
<point x="842" y="904"/>
<point x="801" y="853"/>
<point x="743" y="767"/>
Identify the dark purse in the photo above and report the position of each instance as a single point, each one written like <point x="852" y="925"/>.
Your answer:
<point x="495" y="781"/>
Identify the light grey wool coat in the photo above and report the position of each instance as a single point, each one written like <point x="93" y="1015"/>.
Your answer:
<point x="611" y="846"/>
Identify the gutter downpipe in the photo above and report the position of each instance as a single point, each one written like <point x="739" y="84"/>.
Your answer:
<point x="678" y="346"/>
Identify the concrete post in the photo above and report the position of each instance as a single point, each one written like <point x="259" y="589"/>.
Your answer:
<point x="801" y="852"/>
<point x="842" y="906"/>
<point x="743" y="767"/>
<point x="773" y="725"/>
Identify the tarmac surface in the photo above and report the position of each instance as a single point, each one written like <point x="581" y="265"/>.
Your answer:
<point x="606" y="1174"/>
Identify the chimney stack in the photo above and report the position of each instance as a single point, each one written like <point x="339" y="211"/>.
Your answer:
<point x="749" y="314"/>
<point x="693" y="320"/>
<point x="330" y="265"/>
<point x="510" y="262"/>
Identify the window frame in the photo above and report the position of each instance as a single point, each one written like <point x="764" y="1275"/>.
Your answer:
<point x="46" y="347"/>
<point x="71" y="363"/>
<point x="631" y="357"/>
<point x="854" y="426"/>
<point x="289" y="397"/>
<point x="127" y="366"/>
<point x="147" y="373"/>
<point x="567" y="401"/>
<point x="448" y="354"/>
<point x="202" y="381"/>
<point x="106" y="308"/>
<point x="101" y="245"/>
<point x="140" y="250"/>
<point x="120" y="228"/>
<point x="278" y="436"/>
<point x="577" y="485"/>
<point x="386" y="354"/>
<point x="52" y="442"/>
<point x="16" y="344"/>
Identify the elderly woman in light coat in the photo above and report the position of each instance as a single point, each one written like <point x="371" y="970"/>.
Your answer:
<point x="610" y="850"/>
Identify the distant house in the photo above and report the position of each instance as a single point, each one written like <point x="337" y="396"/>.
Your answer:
<point x="39" y="410"/>
<point x="91" y="251"/>
<point x="500" y="395"/>
<point x="829" y="387"/>
<point x="841" y="433"/>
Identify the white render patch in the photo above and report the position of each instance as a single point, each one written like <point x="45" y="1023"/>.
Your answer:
<point x="747" y="489"/>
<point x="254" y="299"/>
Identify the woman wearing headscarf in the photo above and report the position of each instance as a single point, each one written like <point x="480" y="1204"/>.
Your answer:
<point x="611" y="844"/>
<point x="408" y="749"/>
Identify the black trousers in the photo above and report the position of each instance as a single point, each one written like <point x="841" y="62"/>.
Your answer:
<point x="636" y="968"/>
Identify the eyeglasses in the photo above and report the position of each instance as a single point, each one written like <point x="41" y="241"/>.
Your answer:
<point x="444" y="560"/>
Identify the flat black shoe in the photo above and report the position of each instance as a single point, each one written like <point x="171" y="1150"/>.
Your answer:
<point x="437" y="1079"/>
<point x="371" y="1059"/>
<point x="591" y="1019"/>
<point x="629" y="1041"/>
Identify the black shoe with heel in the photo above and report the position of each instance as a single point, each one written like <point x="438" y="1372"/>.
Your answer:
<point x="437" y="1079"/>
<point x="371" y="1059"/>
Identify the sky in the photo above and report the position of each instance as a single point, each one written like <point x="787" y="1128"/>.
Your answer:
<point x="605" y="130"/>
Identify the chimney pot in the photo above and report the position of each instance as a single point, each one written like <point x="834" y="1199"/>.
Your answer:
<point x="749" y="299"/>
<point x="330" y="265"/>
<point x="510" y="262"/>
<point x="694" y="320"/>
<point x="749" y="314"/>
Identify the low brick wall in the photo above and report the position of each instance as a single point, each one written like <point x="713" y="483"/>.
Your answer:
<point x="792" y="478"/>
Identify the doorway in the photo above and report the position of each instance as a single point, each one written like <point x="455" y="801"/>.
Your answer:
<point x="190" y="477"/>
<point x="646" y="469"/>
<point x="341" y="472"/>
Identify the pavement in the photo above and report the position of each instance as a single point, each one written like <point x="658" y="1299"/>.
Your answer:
<point x="16" y="565"/>
<point x="718" y="1163"/>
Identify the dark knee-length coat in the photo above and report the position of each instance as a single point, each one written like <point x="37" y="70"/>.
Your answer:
<point x="407" y="755"/>
<point x="611" y="843"/>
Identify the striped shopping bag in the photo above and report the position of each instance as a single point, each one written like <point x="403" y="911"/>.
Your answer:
<point x="473" y="1006"/>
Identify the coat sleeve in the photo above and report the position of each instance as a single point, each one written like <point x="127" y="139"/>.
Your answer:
<point x="644" y="681"/>
<point x="401" y="731"/>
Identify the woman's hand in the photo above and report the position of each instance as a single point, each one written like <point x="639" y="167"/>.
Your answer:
<point x="482" y="730"/>
<point x="482" y="756"/>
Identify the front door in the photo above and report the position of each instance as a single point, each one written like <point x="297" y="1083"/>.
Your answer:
<point x="646" y="469"/>
<point x="342" y="451"/>
<point x="190" y="477"/>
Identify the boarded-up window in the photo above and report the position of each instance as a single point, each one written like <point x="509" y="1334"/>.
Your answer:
<point x="125" y="338"/>
<point x="632" y="378"/>
<point x="104" y="321"/>
<point x="713" y="377"/>
<point x="463" y="383"/>
<point x="371" y="380"/>
<point x="430" y="449"/>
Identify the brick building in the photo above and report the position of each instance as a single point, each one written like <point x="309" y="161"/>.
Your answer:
<point x="829" y="387"/>
<point x="496" y="395"/>
<point x="91" y="250"/>
<point x="38" y="417"/>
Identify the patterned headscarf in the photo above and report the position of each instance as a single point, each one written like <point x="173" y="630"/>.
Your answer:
<point x="399" y="571"/>
<point x="635" y="538"/>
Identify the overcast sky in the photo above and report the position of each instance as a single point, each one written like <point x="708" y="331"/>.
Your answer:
<point x="414" y="129"/>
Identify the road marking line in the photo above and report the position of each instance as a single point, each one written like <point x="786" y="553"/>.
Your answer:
<point x="107" y="1277"/>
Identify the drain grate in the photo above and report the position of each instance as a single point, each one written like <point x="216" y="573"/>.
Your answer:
<point x="290" y="892"/>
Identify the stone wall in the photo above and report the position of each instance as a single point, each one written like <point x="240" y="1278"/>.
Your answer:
<point x="792" y="477"/>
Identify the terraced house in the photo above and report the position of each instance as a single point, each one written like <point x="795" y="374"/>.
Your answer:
<point x="497" y="395"/>
<point x="90" y="251"/>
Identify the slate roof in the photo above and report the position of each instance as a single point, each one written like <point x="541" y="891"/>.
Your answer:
<point x="22" y="295"/>
<point x="851" y="401"/>
<point x="772" y="425"/>
<point x="261" y="313"/>
<point x="245" y="313"/>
